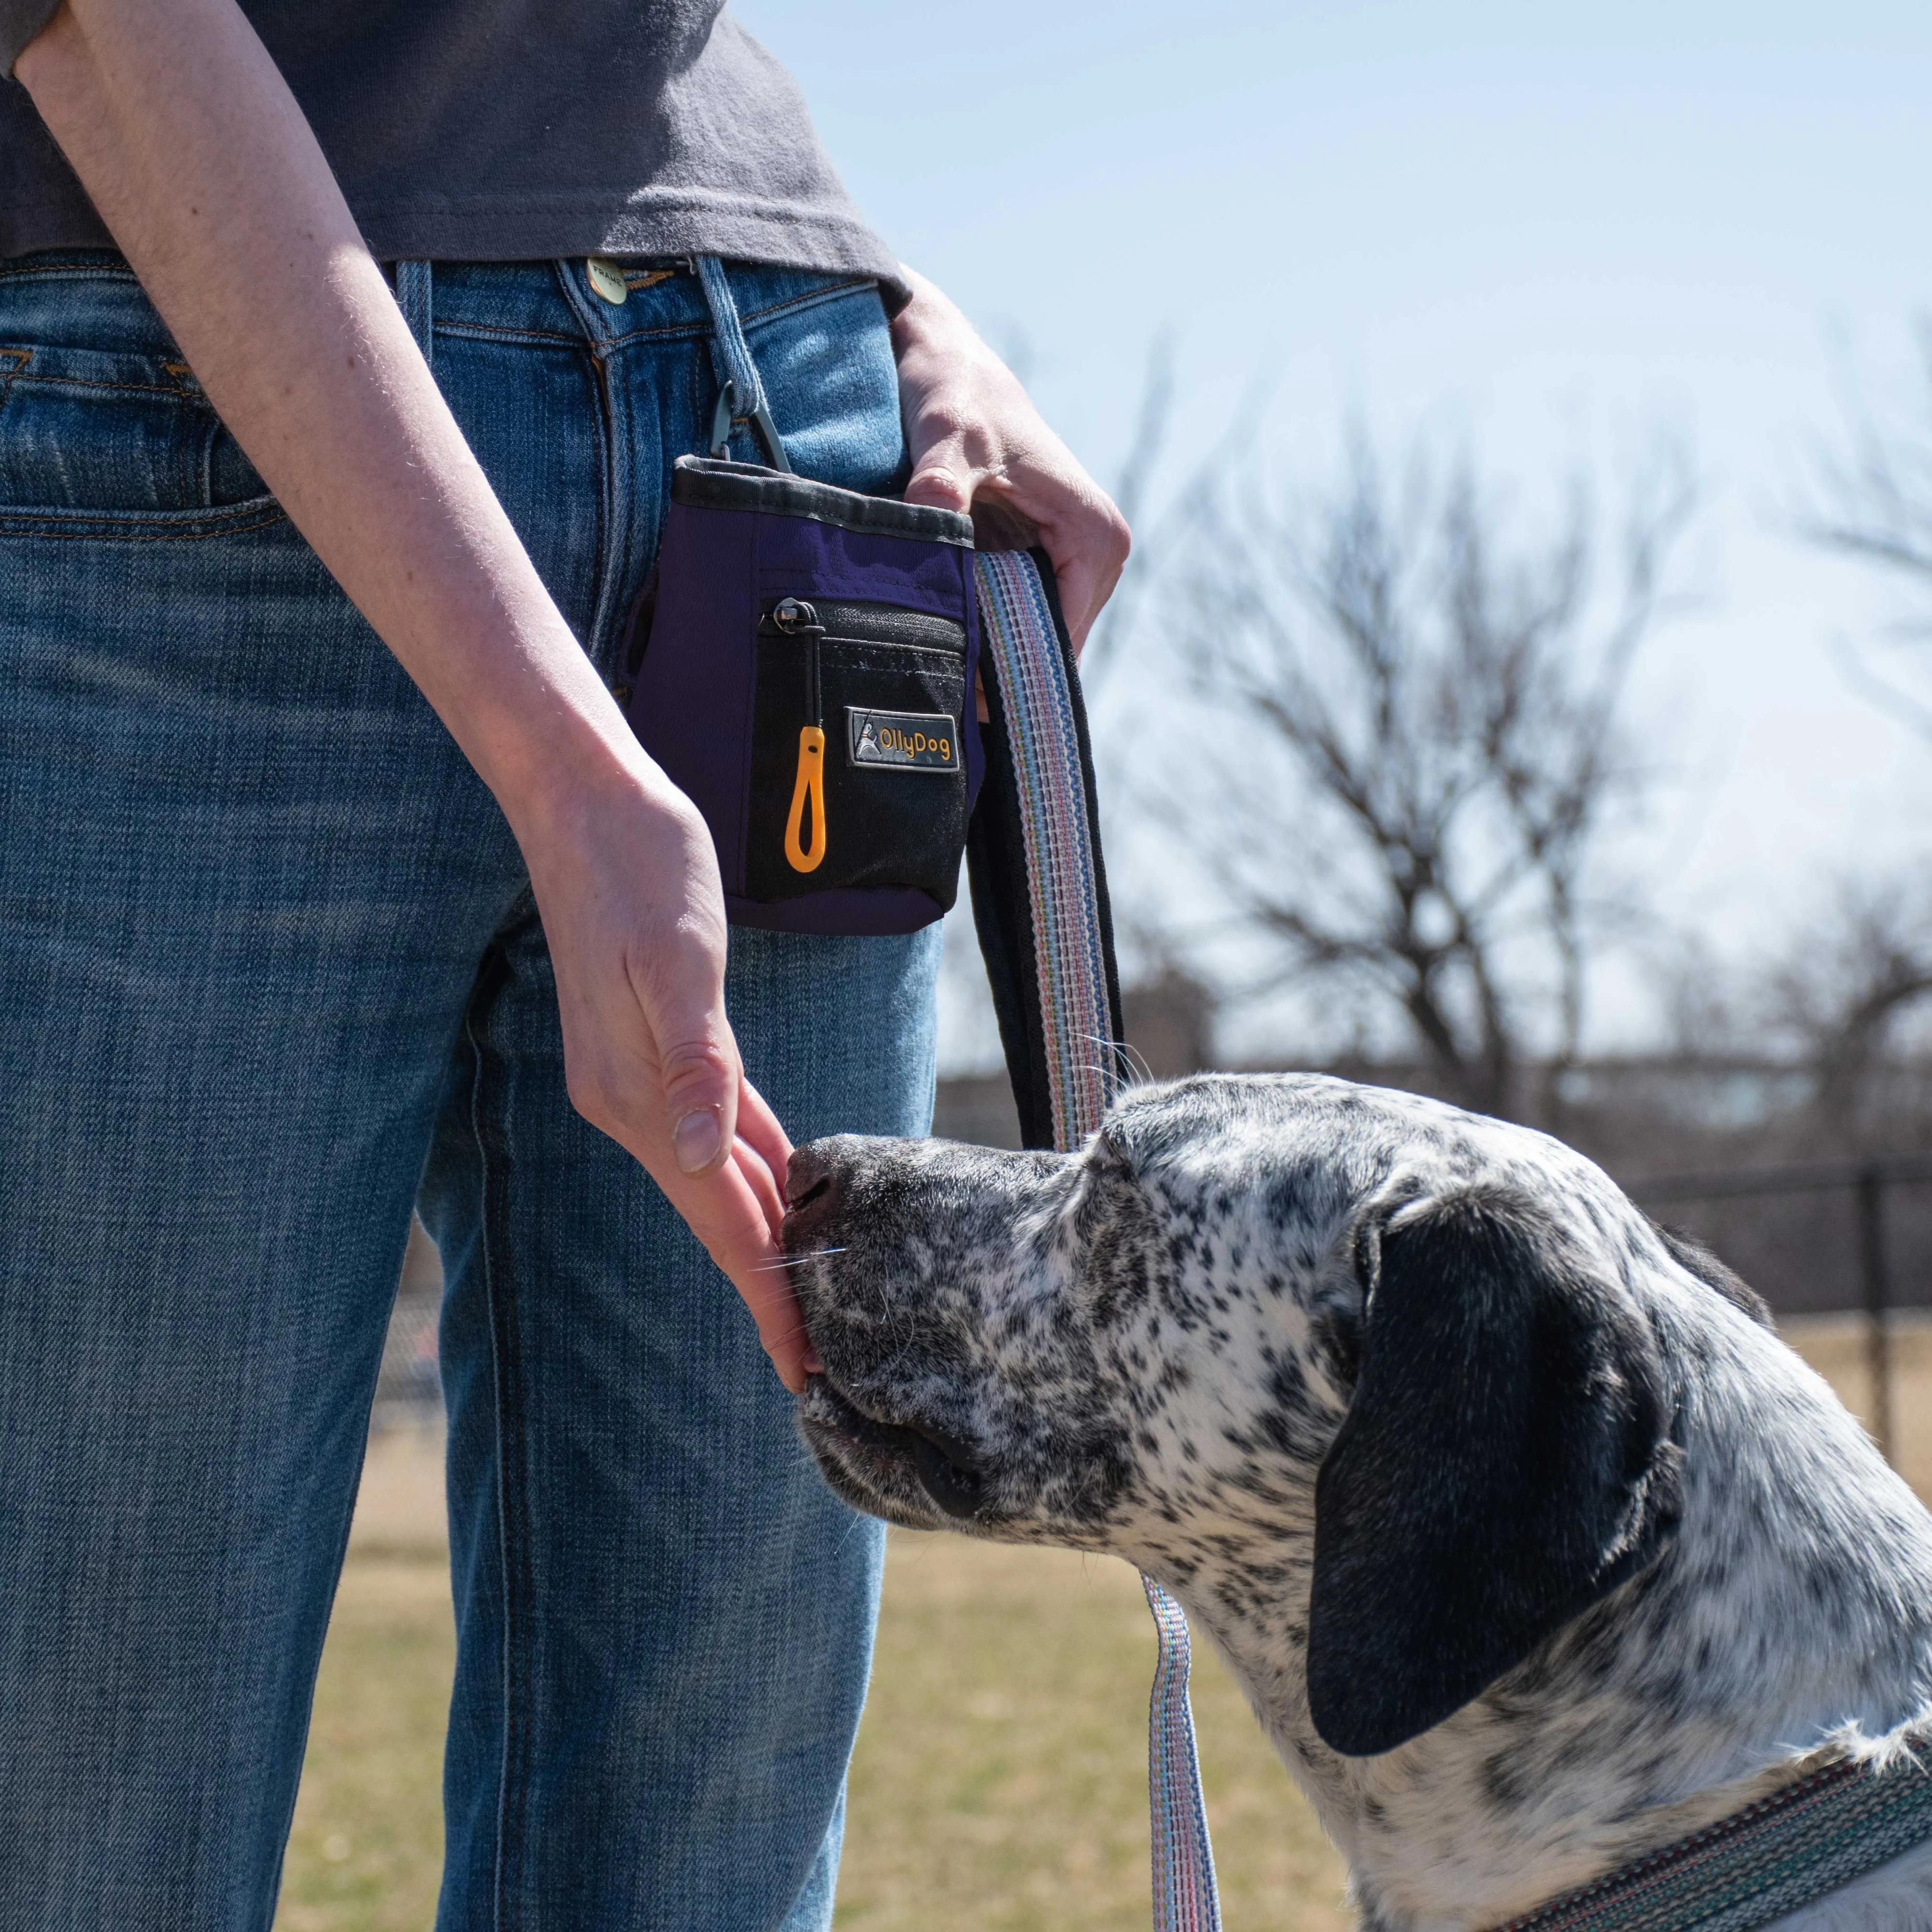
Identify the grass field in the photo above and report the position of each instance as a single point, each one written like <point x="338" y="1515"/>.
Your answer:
<point x="1000" y="1779"/>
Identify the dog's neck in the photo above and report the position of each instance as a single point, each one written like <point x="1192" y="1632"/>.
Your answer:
<point x="1692" y="1690"/>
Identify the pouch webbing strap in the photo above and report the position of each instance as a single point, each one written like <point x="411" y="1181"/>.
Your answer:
<point x="740" y="391"/>
<point x="1039" y="890"/>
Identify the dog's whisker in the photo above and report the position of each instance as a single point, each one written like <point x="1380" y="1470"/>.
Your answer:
<point x="785" y="1260"/>
<point x="1121" y="1052"/>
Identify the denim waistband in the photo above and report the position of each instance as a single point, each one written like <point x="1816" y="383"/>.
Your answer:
<point x="91" y="296"/>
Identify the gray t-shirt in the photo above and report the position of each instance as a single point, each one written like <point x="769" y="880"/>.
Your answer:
<point x="513" y="131"/>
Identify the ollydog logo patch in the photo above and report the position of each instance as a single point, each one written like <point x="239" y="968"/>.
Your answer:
<point x="903" y="741"/>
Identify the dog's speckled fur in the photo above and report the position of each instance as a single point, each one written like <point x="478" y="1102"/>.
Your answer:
<point x="1148" y="1348"/>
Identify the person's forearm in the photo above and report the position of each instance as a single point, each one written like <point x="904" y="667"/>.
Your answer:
<point x="184" y="133"/>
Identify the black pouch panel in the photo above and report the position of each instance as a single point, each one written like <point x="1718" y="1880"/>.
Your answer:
<point x="887" y="687"/>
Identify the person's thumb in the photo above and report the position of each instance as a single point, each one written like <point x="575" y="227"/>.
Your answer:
<point x="942" y="478"/>
<point x="698" y="1065"/>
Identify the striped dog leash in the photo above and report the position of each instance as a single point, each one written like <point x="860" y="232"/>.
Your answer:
<point x="1046" y="932"/>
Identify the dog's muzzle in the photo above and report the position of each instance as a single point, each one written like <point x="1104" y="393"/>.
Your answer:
<point x="947" y="1470"/>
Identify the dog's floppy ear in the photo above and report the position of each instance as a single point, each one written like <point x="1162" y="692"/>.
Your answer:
<point x="1505" y="1461"/>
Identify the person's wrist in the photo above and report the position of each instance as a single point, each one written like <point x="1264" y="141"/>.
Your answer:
<point x="582" y="778"/>
<point x="931" y="336"/>
<point x="545" y="735"/>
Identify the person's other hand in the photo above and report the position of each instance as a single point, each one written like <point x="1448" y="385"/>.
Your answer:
<point x="978" y="444"/>
<point x="627" y="884"/>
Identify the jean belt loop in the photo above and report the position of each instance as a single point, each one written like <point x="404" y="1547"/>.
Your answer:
<point x="740" y="393"/>
<point x="414" y="296"/>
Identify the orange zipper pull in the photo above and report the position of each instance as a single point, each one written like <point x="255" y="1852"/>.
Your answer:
<point x="810" y="786"/>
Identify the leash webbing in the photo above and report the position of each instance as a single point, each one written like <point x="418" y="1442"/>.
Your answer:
<point x="1786" y="1851"/>
<point x="1048" y="940"/>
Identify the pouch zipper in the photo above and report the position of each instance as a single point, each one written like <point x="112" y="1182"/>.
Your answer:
<point x="873" y="623"/>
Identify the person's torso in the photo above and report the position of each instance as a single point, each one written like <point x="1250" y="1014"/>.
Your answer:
<point x="512" y="130"/>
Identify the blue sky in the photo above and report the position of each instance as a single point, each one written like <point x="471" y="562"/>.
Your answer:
<point x="1546" y="231"/>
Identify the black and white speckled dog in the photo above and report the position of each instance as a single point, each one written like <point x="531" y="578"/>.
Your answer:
<point x="1533" y="1546"/>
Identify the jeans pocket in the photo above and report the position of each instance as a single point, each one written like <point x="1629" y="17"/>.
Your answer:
<point x="105" y="433"/>
<point x="825" y="359"/>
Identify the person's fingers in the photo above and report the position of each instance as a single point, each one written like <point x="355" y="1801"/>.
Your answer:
<point x="945" y="474"/>
<point x="1087" y="538"/>
<point x="759" y="1129"/>
<point x="697" y="1058"/>
<point x="1087" y="581"/>
<point x="1030" y="500"/>
<point x="1079" y="580"/>
<point x="761" y="1134"/>
<point x="723" y="1210"/>
<point x="767" y="1293"/>
<point x="765" y="1184"/>
<point x="763" y="1141"/>
<point x="999" y="523"/>
<point x="942" y="484"/>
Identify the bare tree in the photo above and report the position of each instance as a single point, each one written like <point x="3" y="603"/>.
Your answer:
<point x="1849" y="983"/>
<point x="1874" y="506"/>
<point x="1163" y="534"/>
<point x="1145" y="452"/>
<point x="1857" y="974"/>
<point x="1422" y="748"/>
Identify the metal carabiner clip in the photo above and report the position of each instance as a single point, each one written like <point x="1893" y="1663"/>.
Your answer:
<point x="725" y="414"/>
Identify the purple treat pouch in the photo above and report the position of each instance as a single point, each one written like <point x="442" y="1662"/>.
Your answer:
<point x="803" y="669"/>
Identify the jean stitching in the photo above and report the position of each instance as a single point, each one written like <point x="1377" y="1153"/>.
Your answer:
<point x="120" y="527"/>
<point x="489" y="1123"/>
<point x="810" y="299"/>
<point x="698" y="330"/>
<point x="83" y="270"/>
<point x="196" y="479"/>
<point x="693" y="328"/>
<point x="484" y="331"/>
<point x="701" y="329"/>
<point x="8" y="371"/>
<point x="173" y="389"/>
<point x="611" y="556"/>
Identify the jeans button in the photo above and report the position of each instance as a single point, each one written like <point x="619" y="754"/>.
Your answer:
<point x="608" y="279"/>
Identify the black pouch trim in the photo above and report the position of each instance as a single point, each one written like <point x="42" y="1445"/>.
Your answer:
<point x="712" y="483"/>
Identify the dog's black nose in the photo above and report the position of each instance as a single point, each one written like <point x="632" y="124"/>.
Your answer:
<point x="813" y="1182"/>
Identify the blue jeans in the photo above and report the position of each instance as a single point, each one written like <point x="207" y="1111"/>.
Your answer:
<point x="269" y="973"/>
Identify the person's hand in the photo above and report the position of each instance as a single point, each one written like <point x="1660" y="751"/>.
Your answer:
<point x="627" y="884"/>
<point x="978" y="444"/>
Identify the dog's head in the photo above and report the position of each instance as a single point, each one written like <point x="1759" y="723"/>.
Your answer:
<point x="1377" y="1364"/>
